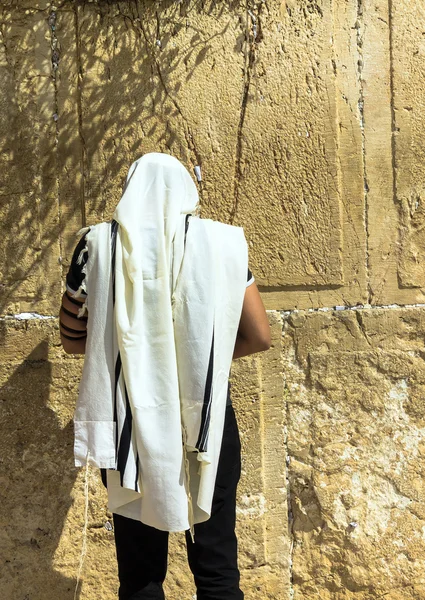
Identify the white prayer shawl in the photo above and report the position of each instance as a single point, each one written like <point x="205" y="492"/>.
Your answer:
<point x="152" y="396"/>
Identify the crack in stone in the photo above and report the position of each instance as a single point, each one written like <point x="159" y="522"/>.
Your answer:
<point x="186" y="127"/>
<point x="359" y="307"/>
<point x="55" y="60"/>
<point x="393" y="118"/>
<point x="283" y="313"/>
<point x="80" y="115"/>
<point x="262" y="433"/>
<point x="289" y="499"/>
<point x="360" y="27"/>
<point x="27" y="317"/>
<point x="360" y="321"/>
<point x="249" y="57"/>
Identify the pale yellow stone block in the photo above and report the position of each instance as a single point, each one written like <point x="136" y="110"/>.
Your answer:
<point x="355" y="445"/>
<point x="30" y="251"/>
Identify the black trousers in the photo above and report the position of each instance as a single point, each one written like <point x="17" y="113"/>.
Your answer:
<point x="142" y="551"/>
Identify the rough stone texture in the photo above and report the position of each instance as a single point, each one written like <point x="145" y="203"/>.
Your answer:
<point x="36" y="489"/>
<point x="42" y="494"/>
<point x="306" y="117"/>
<point x="354" y="385"/>
<point x="29" y="208"/>
<point x="391" y="46"/>
<point x="408" y="50"/>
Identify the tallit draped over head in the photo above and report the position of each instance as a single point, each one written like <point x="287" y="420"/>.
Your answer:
<point x="164" y="307"/>
<point x="159" y="192"/>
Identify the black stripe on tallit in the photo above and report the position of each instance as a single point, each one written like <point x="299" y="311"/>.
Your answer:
<point x="186" y="225"/>
<point x="117" y="377"/>
<point x="136" y="481"/>
<point x="125" y="440"/>
<point x="114" y="229"/>
<point x="206" y="408"/>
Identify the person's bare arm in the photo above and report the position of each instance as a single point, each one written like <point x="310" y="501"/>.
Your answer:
<point x="78" y="344"/>
<point x="254" y="329"/>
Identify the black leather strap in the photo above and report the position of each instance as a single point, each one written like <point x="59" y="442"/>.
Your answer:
<point x="71" y="314"/>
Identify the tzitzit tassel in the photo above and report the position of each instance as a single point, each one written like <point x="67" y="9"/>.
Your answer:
<point x="82" y="231"/>
<point x="83" y="287"/>
<point x="80" y="256"/>
<point x="82" y="310"/>
<point x="86" y="512"/>
<point x="189" y="495"/>
<point x="80" y="291"/>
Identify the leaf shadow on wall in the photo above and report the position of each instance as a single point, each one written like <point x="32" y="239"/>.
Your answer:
<point x="35" y="482"/>
<point x="86" y="89"/>
<point x="135" y="80"/>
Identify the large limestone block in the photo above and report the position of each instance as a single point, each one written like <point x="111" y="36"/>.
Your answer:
<point x="36" y="481"/>
<point x="408" y="52"/>
<point x="300" y="186"/>
<point x="40" y="158"/>
<point x="356" y="435"/>
<point x="42" y="494"/>
<point x="286" y="179"/>
<point x="265" y="101"/>
<point x="28" y="209"/>
<point x="391" y="68"/>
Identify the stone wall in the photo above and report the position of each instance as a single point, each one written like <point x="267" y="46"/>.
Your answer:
<point x="306" y="117"/>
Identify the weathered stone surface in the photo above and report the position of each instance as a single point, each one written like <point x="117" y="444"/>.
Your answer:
<point x="354" y="381"/>
<point x="43" y="495"/>
<point x="36" y="473"/>
<point x="408" y="51"/>
<point x="391" y="49"/>
<point x="30" y="271"/>
<point x="294" y="193"/>
<point x="307" y="120"/>
<point x="245" y="128"/>
<point x="349" y="425"/>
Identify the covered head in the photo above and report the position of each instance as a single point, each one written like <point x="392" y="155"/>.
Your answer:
<point x="157" y="192"/>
